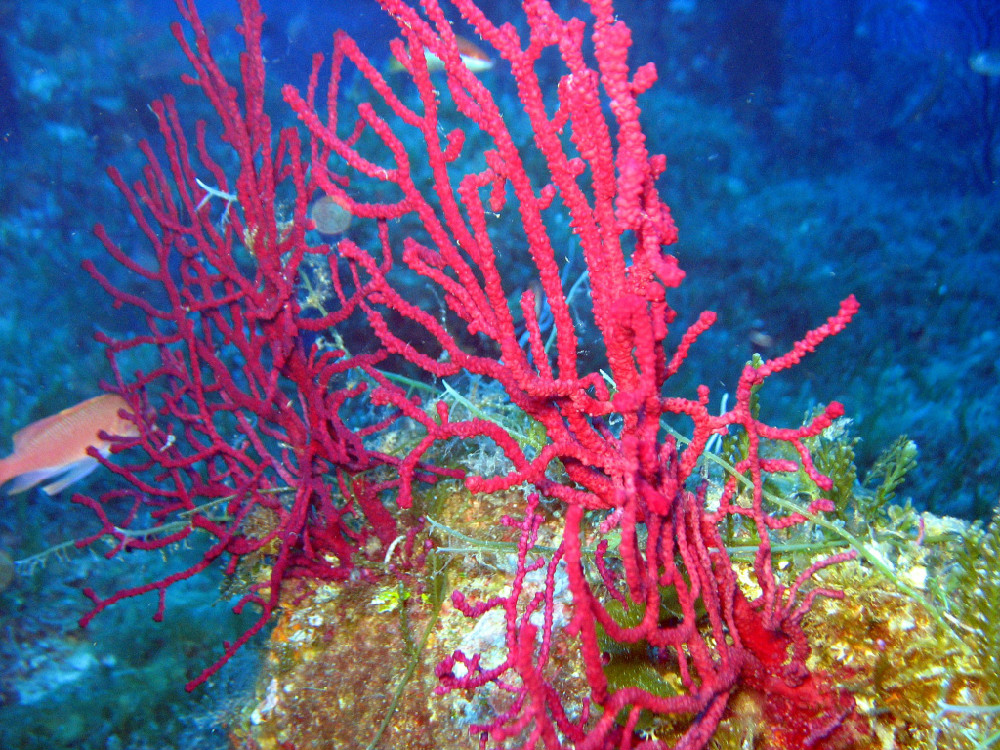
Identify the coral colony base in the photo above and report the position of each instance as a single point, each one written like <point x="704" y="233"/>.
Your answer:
<point x="532" y="553"/>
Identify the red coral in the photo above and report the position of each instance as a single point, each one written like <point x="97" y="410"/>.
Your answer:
<point x="250" y="408"/>
<point x="244" y="417"/>
<point x="605" y="431"/>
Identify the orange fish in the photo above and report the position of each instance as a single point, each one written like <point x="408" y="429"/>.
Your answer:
<point x="475" y="59"/>
<point x="56" y="446"/>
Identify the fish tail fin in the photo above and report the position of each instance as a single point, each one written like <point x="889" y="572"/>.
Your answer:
<point x="7" y="471"/>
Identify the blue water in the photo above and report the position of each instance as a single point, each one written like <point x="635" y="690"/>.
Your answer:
<point x="815" y="150"/>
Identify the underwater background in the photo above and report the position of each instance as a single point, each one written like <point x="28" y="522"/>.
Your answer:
<point x="813" y="152"/>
